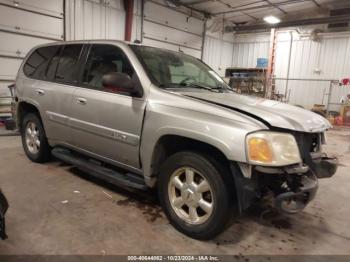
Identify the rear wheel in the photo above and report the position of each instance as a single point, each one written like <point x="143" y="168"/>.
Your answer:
<point x="195" y="195"/>
<point x="34" y="140"/>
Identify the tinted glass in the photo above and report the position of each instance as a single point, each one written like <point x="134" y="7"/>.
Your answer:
<point x="67" y="69"/>
<point x="51" y="70"/>
<point x="104" y="59"/>
<point x="36" y="65"/>
<point x="169" y="69"/>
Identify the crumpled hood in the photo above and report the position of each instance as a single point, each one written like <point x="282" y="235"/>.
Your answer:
<point x="275" y="113"/>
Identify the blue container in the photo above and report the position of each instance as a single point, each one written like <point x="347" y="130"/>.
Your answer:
<point x="262" y="63"/>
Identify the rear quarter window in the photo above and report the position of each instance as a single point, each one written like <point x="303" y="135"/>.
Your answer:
<point x="36" y="65"/>
<point x="68" y="66"/>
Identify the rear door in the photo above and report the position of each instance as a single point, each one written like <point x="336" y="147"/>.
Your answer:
<point x="51" y="73"/>
<point x="106" y="122"/>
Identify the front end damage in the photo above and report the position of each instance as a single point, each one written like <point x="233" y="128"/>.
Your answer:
<point x="290" y="188"/>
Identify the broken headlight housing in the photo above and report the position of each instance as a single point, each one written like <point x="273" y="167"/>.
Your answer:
<point x="268" y="148"/>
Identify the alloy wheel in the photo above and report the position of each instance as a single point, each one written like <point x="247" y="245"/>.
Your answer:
<point x="190" y="195"/>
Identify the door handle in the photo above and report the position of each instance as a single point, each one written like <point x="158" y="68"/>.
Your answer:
<point x="40" y="92"/>
<point x="81" y="101"/>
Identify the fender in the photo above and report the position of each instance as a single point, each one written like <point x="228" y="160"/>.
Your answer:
<point x="30" y="102"/>
<point x="183" y="133"/>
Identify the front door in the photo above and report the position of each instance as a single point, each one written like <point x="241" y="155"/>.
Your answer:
<point x="104" y="121"/>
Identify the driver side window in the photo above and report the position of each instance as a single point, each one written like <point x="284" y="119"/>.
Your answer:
<point x="104" y="59"/>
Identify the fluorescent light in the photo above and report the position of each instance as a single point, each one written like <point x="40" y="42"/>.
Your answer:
<point x="272" y="19"/>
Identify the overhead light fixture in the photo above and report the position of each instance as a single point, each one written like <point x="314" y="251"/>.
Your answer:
<point x="272" y="19"/>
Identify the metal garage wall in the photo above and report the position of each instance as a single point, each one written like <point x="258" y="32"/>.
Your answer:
<point x="172" y="29"/>
<point x="310" y="60"/>
<point x="218" y="54"/>
<point x="234" y="51"/>
<point x="95" y="19"/>
<point x="23" y="25"/>
<point x="302" y="58"/>
<point x="248" y="48"/>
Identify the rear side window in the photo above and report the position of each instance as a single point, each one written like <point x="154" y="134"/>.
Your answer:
<point x="51" y="69"/>
<point x="67" y="68"/>
<point x="36" y="65"/>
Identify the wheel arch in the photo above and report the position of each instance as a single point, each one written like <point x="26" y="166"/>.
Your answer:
<point x="170" y="143"/>
<point x="24" y="108"/>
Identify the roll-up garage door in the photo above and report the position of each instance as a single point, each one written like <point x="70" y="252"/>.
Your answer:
<point x="23" y="25"/>
<point x="172" y="29"/>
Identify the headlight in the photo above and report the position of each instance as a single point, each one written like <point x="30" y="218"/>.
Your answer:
<point x="272" y="149"/>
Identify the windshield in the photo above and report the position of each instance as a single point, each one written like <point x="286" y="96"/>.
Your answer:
<point x="168" y="69"/>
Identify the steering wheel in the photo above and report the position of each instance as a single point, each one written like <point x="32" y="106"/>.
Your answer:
<point x="186" y="80"/>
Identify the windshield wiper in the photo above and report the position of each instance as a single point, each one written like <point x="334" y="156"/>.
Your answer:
<point x="193" y="85"/>
<point x="198" y="85"/>
<point x="217" y="89"/>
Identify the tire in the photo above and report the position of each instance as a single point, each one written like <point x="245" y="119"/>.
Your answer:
<point x="217" y="210"/>
<point x="38" y="152"/>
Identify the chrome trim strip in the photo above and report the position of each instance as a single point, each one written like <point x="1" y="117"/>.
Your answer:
<point x="99" y="130"/>
<point x="58" y="118"/>
<point x="104" y="131"/>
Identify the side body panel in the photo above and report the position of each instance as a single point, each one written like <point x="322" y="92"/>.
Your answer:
<point x="173" y="114"/>
<point x="54" y="104"/>
<point x="108" y="124"/>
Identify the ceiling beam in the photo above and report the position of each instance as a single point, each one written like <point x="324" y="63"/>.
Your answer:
<point x="179" y="3"/>
<point x="288" y="2"/>
<point x="198" y="2"/>
<point x="275" y="6"/>
<point x="316" y="3"/>
<point x="292" y="23"/>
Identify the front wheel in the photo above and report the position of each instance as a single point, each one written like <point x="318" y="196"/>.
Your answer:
<point x="195" y="194"/>
<point x="34" y="140"/>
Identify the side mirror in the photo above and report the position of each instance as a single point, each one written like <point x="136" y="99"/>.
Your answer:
<point x="120" y="81"/>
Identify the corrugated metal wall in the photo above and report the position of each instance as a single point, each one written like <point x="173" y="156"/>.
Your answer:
<point x="94" y="19"/>
<point x="172" y="29"/>
<point x="325" y="59"/>
<point x="315" y="62"/>
<point x="238" y="51"/>
<point x="218" y="54"/>
<point x="248" y="48"/>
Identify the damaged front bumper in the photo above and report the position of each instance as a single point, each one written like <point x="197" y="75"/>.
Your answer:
<point x="292" y="187"/>
<point x="324" y="166"/>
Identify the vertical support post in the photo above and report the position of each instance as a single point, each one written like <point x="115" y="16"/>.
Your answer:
<point x="64" y="20"/>
<point x="289" y="62"/>
<point x="329" y="95"/>
<point x="203" y="37"/>
<point x="142" y="17"/>
<point x="270" y="68"/>
<point x="129" y="11"/>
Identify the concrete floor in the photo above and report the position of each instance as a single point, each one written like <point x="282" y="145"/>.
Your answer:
<point x="55" y="209"/>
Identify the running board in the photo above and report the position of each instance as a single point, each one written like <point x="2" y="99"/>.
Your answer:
<point x="94" y="169"/>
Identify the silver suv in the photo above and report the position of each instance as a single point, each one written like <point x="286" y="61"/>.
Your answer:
<point x="143" y="117"/>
